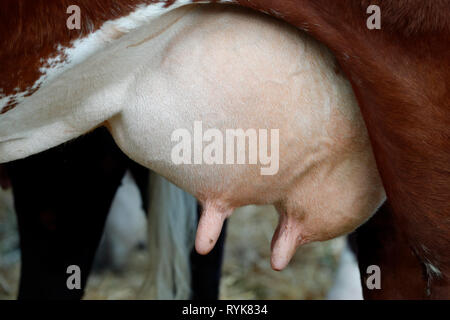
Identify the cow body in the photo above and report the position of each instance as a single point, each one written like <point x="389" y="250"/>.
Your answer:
<point x="323" y="148"/>
<point x="399" y="76"/>
<point x="323" y="145"/>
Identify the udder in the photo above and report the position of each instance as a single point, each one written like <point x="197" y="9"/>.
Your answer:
<point x="306" y="147"/>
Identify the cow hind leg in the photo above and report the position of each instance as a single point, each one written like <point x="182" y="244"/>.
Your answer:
<point x="62" y="198"/>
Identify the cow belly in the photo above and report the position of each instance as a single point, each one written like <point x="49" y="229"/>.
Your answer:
<point x="213" y="76"/>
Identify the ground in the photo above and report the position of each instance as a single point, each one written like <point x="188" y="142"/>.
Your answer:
<point x="246" y="272"/>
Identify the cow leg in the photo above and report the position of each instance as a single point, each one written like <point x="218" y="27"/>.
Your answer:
<point x="381" y="243"/>
<point x="206" y="270"/>
<point x="62" y="198"/>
